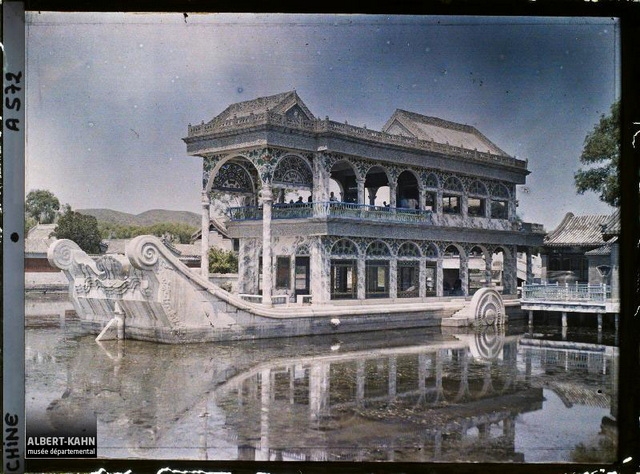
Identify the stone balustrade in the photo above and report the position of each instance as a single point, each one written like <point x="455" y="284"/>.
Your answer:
<point x="332" y="209"/>
<point x="326" y="125"/>
<point x="567" y="292"/>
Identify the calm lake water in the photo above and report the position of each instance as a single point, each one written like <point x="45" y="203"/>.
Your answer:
<point x="410" y="396"/>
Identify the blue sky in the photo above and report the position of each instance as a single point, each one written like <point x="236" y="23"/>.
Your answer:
<point x="109" y="95"/>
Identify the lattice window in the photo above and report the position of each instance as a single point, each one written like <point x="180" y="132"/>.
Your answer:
<point x="476" y="205"/>
<point x="408" y="249"/>
<point x="344" y="247"/>
<point x="432" y="181"/>
<point x="293" y="170"/>
<point x="233" y="177"/>
<point x="303" y="251"/>
<point x="477" y="188"/>
<point x="453" y="184"/>
<point x="500" y="191"/>
<point x="452" y="250"/>
<point x="378" y="249"/>
<point x="431" y="251"/>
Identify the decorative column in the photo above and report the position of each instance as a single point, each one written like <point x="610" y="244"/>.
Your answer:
<point x="464" y="273"/>
<point x="392" y="194"/>
<point x="393" y="278"/>
<point x="361" y="277"/>
<point x="529" y="266"/>
<point x="421" y="197"/>
<point x="488" y="264"/>
<point x="512" y="275"/>
<point x="360" y="183"/>
<point x="464" y="205"/>
<point x="373" y="192"/>
<point x="439" y="276"/>
<point x="320" y="191"/>
<point x="267" y="270"/>
<point x="512" y="206"/>
<point x="204" y="260"/>
<point x="320" y="269"/>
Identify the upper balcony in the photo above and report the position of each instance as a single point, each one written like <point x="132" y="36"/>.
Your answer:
<point x="368" y="213"/>
<point x="331" y="209"/>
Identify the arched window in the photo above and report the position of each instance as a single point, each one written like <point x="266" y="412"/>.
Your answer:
<point x="344" y="270"/>
<point x="499" y="201"/>
<point x="431" y="192"/>
<point x="408" y="249"/>
<point x="378" y="249"/>
<point x="377" y="270"/>
<point x="477" y="199"/>
<point x="408" y="276"/>
<point x="293" y="172"/>
<point x="344" y="247"/>
<point x="451" y="196"/>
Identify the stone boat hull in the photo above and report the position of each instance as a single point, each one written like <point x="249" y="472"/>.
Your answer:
<point x="148" y="294"/>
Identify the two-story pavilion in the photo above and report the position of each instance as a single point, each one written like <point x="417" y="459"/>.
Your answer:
<point x="450" y="192"/>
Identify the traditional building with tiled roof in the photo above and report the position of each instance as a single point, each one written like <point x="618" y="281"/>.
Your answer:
<point x="38" y="240"/>
<point x="449" y="197"/>
<point x="569" y="248"/>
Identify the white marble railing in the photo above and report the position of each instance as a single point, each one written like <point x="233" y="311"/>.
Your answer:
<point x="332" y="209"/>
<point x="567" y="292"/>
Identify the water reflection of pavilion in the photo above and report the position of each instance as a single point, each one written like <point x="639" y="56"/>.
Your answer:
<point x="430" y="402"/>
<point x="399" y="396"/>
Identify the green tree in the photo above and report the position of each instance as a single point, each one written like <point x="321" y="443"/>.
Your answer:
<point x="83" y="230"/>
<point x="29" y="223"/>
<point x="42" y="205"/>
<point x="222" y="261"/>
<point x="177" y="232"/>
<point x="601" y="154"/>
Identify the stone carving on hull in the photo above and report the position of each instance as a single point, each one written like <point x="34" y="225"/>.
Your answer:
<point x="110" y="274"/>
<point x="164" y="274"/>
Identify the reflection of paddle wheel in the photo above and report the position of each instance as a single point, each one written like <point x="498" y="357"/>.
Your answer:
<point x="487" y="343"/>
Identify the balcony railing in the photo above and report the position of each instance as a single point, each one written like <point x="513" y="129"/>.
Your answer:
<point x="332" y="209"/>
<point x="326" y="125"/>
<point x="579" y="292"/>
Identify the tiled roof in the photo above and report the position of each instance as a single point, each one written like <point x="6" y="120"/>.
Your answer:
<point x="577" y="231"/>
<point x="38" y="240"/>
<point x="184" y="251"/>
<point x="115" y="245"/>
<point x="604" y="250"/>
<point x="440" y="131"/>
<point x="612" y="226"/>
<point x="278" y="103"/>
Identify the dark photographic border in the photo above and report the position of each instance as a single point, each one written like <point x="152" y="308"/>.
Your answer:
<point x="13" y="177"/>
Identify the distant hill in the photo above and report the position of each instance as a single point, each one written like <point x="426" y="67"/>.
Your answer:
<point x="154" y="216"/>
